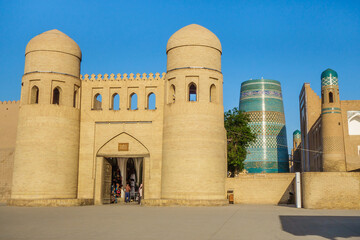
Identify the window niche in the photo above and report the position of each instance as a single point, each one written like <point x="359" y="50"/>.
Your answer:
<point x="133" y="101"/>
<point x="34" y="95"/>
<point x="115" y="102"/>
<point x="56" y="96"/>
<point x="192" y="92"/>
<point x="97" y="105"/>
<point x="213" y="93"/>
<point x="151" y="101"/>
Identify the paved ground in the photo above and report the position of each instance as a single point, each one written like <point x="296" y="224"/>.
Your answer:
<point x="135" y="222"/>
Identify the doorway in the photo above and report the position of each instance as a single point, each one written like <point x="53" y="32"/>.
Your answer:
<point x="124" y="171"/>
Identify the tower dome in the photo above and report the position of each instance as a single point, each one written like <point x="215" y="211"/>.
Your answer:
<point x="53" y="40"/>
<point x="329" y="73"/>
<point x="193" y="35"/>
<point x="296" y="134"/>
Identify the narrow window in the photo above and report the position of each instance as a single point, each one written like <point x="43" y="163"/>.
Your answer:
<point x="192" y="92"/>
<point x="331" y="98"/>
<point x="322" y="98"/>
<point x="172" y="94"/>
<point x="115" y="102"/>
<point x="133" y="101"/>
<point x="76" y="97"/>
<point x="213" y="93"/>
<point x="151" y="104"/>
<point x="97" y="102"/>
<point x="34" y="95"/>
<point x="56" y="96"/>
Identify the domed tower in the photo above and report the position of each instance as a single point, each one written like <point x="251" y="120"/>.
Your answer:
<point x="46" y="155"/>
<point x="333" y="156"/>
<point x="194" y="145"/>
<point x="296" y="139"/>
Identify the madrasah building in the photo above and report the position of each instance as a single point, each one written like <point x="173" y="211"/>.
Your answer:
<point x="329" y="140"/>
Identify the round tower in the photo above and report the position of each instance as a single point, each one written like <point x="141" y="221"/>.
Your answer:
<point x="46" y="155"/>
<point x="262" y="101"/>
<point x="332" y="135"/>
<point x="194" y="146"/>
<point x="296" y="138"/>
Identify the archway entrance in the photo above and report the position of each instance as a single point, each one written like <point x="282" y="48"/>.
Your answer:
<point x="125" y="170"/>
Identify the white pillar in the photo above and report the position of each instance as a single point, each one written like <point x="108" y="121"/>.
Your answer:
<point x="298" y="189"/>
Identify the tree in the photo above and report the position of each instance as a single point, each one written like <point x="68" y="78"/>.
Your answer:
<point x="239" y="136"/>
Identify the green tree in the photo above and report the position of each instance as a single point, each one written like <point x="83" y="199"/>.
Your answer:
<point x="239" y="136"/>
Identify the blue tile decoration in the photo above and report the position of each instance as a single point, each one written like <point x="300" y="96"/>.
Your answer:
<point x="261" y="99"/>
<point x="329" y="77"/>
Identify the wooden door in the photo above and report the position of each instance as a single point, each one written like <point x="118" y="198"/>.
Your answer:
<point x="107" y="174"/>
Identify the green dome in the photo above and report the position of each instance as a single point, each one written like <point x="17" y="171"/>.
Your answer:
<point x="296" y="132"/>
<point x="327" y="73"/>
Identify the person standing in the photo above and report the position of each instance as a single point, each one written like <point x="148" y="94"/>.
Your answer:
<point x="140" y="193"/>
<point x="127" y="193"/>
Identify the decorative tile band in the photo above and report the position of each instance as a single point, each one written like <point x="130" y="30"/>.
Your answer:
<point x="260" y="93"/>
<point x="330" y="80"/>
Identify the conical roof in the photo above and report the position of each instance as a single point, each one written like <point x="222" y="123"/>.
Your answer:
<point x="53" y="40"/>
<point x="193" y="35"/>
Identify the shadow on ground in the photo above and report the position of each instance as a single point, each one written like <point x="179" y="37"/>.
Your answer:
<point x="330" y="227"/>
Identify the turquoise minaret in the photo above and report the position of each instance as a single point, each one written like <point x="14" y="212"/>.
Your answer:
<point x="262" y="100"/>
<point x="332" y="134"/>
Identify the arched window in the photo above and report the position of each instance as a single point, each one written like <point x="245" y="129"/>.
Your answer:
<point x="151" y="101"/>
<point x="133" y="101"/>
<point x="213" y="93"/>
<point x="322" y="98"/>
<point x="115" y="102"/>
<point x="97" y="102"/>
<point x="192" y="92"/>
<point x="172" y="94"/>
<point x="331" y="97"/>
<point x="76" y="97"/>
<point x="34" y="95"/>
<point x="56" y="96"/>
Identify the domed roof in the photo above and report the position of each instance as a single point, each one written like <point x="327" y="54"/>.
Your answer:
<point x="53" y="40"/>
<point x="327" y="73"/>
<point x="193" y="35"/>
<point x="296" y="132"/>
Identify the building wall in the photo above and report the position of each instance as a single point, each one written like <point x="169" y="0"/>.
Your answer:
<point x="331" y="190"/>
<point x="310" y="110"/>
<point x="99" y="127"/>
<point x="262" y="188"/>
<point x="8" y="126"/>
<point x="352" y="142"/>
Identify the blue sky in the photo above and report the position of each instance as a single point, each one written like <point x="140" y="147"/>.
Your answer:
<point x="289" y="41"/>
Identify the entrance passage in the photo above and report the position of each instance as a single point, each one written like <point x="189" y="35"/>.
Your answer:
<point x="125" y="171"/>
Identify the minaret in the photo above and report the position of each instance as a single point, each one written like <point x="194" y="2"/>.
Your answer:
<point x="332" y="135"/>
<point x="296" y="139"/>
<point x="47" y="144"/>
<point x="194" y="146"/>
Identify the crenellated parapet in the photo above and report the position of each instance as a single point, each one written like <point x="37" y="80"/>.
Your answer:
<point x="10" y="102"/>
<point x="123" y="77"/>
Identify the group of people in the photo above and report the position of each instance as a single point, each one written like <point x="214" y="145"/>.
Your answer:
<point x="116" y="193"/>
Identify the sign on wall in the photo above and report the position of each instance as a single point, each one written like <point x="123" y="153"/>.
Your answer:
<point x="123" y="147"/>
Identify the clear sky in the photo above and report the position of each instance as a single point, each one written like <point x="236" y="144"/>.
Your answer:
<point x="289" y="41"/>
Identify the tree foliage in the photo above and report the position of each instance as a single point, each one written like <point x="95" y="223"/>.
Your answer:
<point x="239" y="137"/>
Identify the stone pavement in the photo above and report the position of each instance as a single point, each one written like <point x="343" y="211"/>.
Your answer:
<point x="137" y="222"/>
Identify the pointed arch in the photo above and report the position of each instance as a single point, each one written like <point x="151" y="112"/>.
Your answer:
<point x="172" y="92"/>
<point x="110" y="147"/>
<point x="115" y="102"/>
<point x="133" y="100"/>
<point x="192" y="92"/>
<point x="151" y="101"/>
<point x="56" y="96"/>
<point x="34" y="95"/>
<point x="97" y="103"/>
<point x="213" y="97"/>
<point x="331" y="97"/>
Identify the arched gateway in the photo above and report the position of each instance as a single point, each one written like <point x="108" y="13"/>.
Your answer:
<point x="120" y="158"/>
